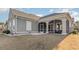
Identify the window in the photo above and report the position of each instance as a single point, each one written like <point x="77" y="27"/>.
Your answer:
<point x="42" y="27"/>
<point x="28" y="25"/>
<point x="13" y="22"/>
<point x="13" y="27"/>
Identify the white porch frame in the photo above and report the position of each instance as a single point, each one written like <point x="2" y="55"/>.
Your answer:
<point x="64" y="27"/>
<point x="46" y="27"/>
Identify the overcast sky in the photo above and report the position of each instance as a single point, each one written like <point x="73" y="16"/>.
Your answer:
<point x="74" y="12"/>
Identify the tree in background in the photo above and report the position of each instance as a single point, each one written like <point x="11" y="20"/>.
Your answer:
<point x="76" y="25"/>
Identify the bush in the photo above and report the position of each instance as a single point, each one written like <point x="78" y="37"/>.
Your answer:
<point x="75" y="32"/>
<point x="6" y="31"/>
<point x="76" y="29"/>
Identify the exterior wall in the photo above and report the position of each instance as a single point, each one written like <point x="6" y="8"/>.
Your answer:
<point x="10" y="25"/>
<point x="21" y="25"/>
<point x="63" y="19"/>
<point x="64" y="32"/>
<point x="67" y="26"/>
<point x="70" y="26"/>
<point x="35" y="26"/>
<point x="9" y="22"/>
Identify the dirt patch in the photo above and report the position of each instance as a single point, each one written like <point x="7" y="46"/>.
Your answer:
<point x="71" y="42"/>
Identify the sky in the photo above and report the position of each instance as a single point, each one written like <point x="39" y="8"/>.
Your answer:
<point x="74" y="12"/>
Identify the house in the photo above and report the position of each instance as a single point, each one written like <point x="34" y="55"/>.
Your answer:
<point x="76" y="25"/>
<point x="20" y="22"/>
<point x="1" y="27"/>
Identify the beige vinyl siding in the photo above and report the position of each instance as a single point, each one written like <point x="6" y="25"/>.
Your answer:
<point x="21" y="25"/>
<point x="35" y="26"/>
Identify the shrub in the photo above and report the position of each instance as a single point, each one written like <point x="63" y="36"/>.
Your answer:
<point x="76" y="29"/>
<point x="6" y="31"/>
<point x="74" y="32"/>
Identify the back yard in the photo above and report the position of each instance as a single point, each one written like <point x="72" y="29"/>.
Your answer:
<point x="71" y="42"/>
<point x="30" y="42"/>
<point x="44" y="42"/>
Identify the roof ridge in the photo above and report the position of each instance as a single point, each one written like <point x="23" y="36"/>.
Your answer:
<point x="23" y="12"/>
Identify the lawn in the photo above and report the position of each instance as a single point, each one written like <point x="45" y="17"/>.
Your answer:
<point x="30" y="42"/>
<point x="40" y="42"/>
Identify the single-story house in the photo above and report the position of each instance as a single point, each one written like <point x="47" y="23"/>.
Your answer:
<point x="1" y="26"/>
<point x="20" y="22"/>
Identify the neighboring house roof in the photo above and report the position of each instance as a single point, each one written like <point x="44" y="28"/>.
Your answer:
<point x="57" y="15"/>
<point x="22" y="14"/>
<point x="1" y="23"/>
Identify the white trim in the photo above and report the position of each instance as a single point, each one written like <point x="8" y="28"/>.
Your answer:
<point x="28" y="26"/>
<point x="47" y="27"/>
<point x="27" y="33"/>
<point x="64" y="33"/>
<point x="13" y="22"/>
<point x="13" y="25"/>
<point x="22" y="32"/>
<point x="64" y="27"/>
<point x="42" y="25"/>
<point x="16" y="25"/>
<point x="10" y="24"/>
